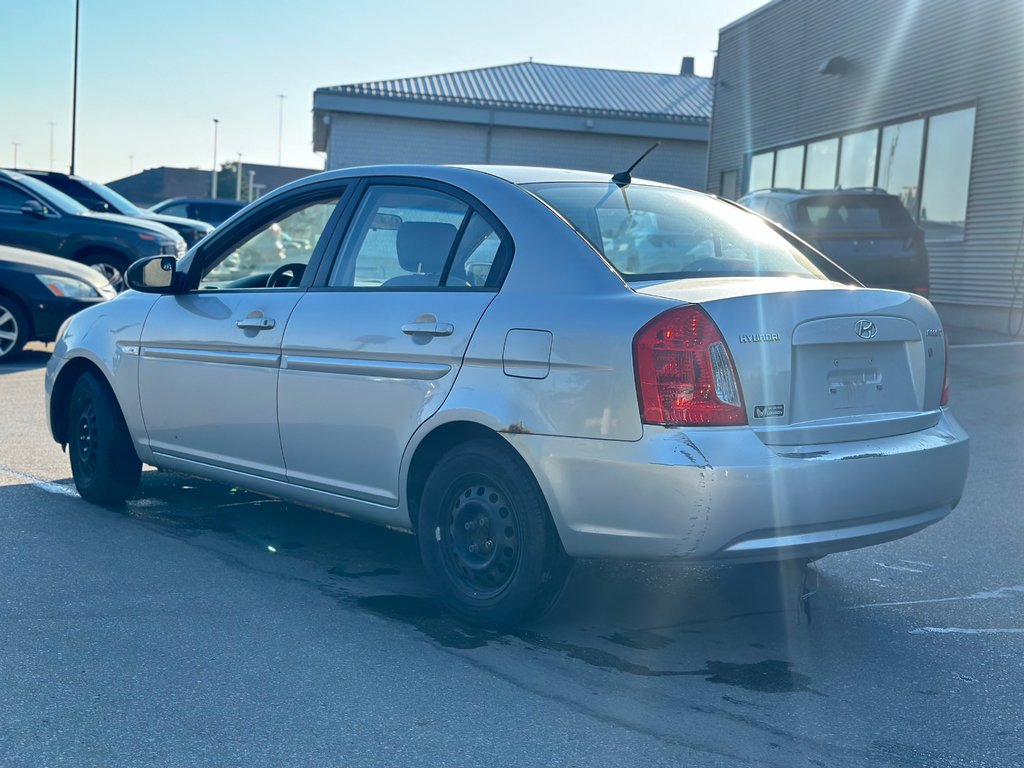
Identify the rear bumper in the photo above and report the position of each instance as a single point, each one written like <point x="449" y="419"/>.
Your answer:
<point x="722" y="494"/>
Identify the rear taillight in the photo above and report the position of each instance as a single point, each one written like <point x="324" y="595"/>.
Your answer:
<point x="684" y="372"/>
<point x="944" y="400"/>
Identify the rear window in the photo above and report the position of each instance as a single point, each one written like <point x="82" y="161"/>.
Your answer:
<point x="662" y="233"/>
<point x="851" y="213"/>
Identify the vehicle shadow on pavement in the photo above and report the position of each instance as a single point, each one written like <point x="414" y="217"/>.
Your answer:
<point x="34" y="356"/>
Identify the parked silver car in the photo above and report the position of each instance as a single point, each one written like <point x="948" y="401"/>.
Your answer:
<point x="523" y="366"/>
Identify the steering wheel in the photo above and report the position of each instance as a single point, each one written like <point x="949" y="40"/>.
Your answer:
<point x="278" y="277"/>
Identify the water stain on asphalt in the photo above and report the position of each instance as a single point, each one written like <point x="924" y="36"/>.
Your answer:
<point x="426" y="615"/>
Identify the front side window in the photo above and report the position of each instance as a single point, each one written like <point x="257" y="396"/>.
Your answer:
<point x="257" y="256"/>
<point x="12" y="198"/>
<point x="661" y="233"/>
<point x="947" y="175"/>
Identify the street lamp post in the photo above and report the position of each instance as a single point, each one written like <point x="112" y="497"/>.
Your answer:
<point x="213" y="181"/>
<point x="280" y="125"/>
<point x="74" y="94"/>
<point x="238" y="178"/>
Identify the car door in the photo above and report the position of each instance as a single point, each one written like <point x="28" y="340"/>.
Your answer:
<point x="372" y="353"/>
<point x="22" y="230"/>
<point x="210" y="355"/>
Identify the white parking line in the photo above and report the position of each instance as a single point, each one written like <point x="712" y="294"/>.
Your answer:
<point x="38" y="482"/>
<point x="965" y="631"/>
<point x="995" y="594"/>
<point x="988" y="344"/>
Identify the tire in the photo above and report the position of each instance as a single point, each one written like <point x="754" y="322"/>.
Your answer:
<point x="110" y="265"/>
<point x="13" y="330"/>
<point x="104" y="464"/>
<point x="486" y="537"/>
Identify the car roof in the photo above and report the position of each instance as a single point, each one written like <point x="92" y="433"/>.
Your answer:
<point x="794" y="194"/>
<point x="214" y="200"/>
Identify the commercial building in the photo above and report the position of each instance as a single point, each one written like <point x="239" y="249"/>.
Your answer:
<point x="523" y="114"/>
<point x="923" y="98"/>
<point x="153" y="185"/>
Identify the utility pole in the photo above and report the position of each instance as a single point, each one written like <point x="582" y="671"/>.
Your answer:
<point x="16" y="145"/>
<point x="74" y="94"/>
<point x="280" y="125"/>
<point x="51" y="144"/>
<point x="213" y="182"/>
<point x="238" y="178"/>
<point x="252" y="175"/>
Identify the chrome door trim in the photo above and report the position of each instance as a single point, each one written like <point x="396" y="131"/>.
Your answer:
<point x="355" y="367"/>
<point x="256" y="359"/>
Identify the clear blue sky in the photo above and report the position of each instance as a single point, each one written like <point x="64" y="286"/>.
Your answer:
<point x="152" y="76"/>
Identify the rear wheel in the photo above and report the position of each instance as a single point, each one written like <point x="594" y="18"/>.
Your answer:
<point x="486" y="537"/>
<point x="104" y="463"/>
<point x="13" y="330"/>
<point x="110" y="265"/>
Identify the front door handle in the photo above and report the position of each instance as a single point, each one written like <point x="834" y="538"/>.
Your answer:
<point x="256" y="324"/>
<point x="428" y="329"/>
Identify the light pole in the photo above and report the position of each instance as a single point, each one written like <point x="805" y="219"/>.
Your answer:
<point x="213" y="181"/>
<point x="280" y="125"/>
<point x="238" y="178"/>
<point x="74" y="94"/>
<point x="15" y="145"/>
<point x="51" y="144"/>
<point x="252" y="175"/>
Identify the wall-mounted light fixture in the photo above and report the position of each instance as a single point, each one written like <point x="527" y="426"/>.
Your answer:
<point x="834" y="65"/>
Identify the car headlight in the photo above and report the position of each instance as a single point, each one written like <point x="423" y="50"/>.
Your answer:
<point x="68" y="287"/>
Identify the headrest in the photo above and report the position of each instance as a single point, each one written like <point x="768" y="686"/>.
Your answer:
<point x="423" y="246"/>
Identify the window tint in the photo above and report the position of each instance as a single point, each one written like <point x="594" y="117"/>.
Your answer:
<point x="857" y="159"/>
<point x="402" y="237"/>
<point x="853" y="214"/>
<point x="899" y="167"/>
<point x="820" y="172"/>
<point x="12" y="197"/>
<point x="657" y="233"/>
<point x="289" y="239"/>
<point x="947" y="174"/>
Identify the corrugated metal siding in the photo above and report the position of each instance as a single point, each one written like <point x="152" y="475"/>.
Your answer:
<point x="909" y="57"/>
<point x="550" y="87"/>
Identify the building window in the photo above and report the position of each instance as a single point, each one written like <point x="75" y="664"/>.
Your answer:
<point x="899" y="166"/>
<point x="762" y="167"/>
<point x="947" y="175"/>
<point x="857" y="159"/>
<point x="821" y="164"/>
<point x="789" y="167"/>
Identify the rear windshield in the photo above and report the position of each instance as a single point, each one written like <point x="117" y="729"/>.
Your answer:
<point x="663" y="233"/>
<point x="851" y="213"/>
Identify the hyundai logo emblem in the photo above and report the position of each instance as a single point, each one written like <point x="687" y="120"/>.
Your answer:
<point x="866" y="329"/>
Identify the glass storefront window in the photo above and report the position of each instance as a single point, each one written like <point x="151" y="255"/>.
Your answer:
<point x="821" y="164"/>
<point x="857" y="159"/>
<point x="947" y="174"/>
<point x="761" y="169"/>
<point x="899" y="167"/>
<point x="789" y="167"/>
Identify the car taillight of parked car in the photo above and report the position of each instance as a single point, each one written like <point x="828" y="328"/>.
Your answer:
<point x="684" y="372"/>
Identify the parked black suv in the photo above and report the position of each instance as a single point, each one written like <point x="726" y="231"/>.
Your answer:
<point x="212" y="211"/>
<point x="866" y="231"/>
<point x="37" y="217"/>
<point x="101" y="198"/>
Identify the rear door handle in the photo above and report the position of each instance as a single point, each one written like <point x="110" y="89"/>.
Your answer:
<point x="428" y="329"/>
<point x="256" y="324"/>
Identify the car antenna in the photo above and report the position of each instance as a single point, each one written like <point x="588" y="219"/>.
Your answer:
<point x="623" y="178"/>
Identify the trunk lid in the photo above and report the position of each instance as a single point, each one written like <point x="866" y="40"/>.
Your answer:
<point x="820" y="363"/>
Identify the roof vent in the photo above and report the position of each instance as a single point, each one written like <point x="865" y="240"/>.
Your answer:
<point x="687" y="68"/>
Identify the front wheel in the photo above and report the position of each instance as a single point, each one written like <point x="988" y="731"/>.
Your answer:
<point x="104" y="463"/>
<point x="486" y="537"/>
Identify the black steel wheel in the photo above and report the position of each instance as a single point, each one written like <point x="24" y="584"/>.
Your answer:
<point x="104" y="464"/>
<point x="486" y="536"/>
<point x="13" y="330"/>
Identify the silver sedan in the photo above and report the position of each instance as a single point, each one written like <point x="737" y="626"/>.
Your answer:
<point x="522" y="366"/>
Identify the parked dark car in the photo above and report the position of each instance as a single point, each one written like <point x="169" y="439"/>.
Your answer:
<point x="36" y="216"/>
<point x="213" y="212"/>
<point x="867" y="231"/>
<point x="101" y="198"/>
<point x="38" y="293"/>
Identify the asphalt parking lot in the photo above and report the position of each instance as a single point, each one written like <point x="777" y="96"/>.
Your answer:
<point x="205" y="625"/>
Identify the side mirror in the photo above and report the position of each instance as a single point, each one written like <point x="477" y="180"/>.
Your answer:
<point x="152" y="275"/>
<point x="34" y="208"/>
